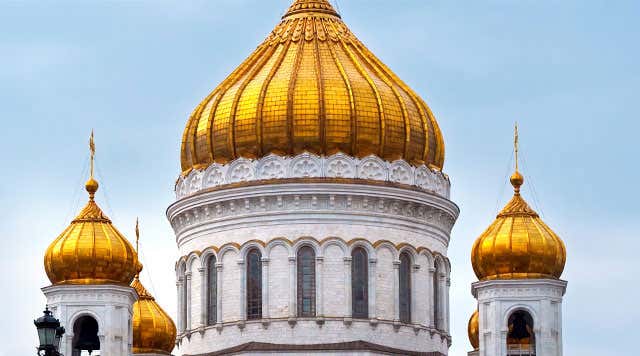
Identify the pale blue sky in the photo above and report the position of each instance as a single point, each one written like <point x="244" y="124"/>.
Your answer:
<point x="133" y="70"/>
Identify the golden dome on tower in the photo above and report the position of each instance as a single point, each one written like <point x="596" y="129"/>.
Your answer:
<point x="91" y="250"/>
<point x="473" y="330"/>
<point x="312" y="86"/>
<point x="518" y="245"/>
<point x="153" y="330"/>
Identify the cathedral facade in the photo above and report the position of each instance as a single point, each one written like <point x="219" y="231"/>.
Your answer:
<point x="312" y="216"/>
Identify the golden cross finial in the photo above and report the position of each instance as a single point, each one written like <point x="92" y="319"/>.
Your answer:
<point x="92" y="184"/>
<point x="516" y="178"/>
<point x="137" y="234"/>
<point x="515" y="144"/>
<point x="92" y="149"/>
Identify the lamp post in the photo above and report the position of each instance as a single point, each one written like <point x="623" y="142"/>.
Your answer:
<point x="50" y="333"/>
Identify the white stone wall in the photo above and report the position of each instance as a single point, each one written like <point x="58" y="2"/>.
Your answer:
<point x="499" y="299"/>
<point x="333" y="218"/>
<point x="334" y="314"/>
<point x="111" y="306"/>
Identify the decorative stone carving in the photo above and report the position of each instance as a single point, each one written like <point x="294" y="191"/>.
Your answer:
<point x="214" y="175"/>
<point x="240" y="170"/>
<point x="401" y="172"/>
<point x="271" y="167"/>
<point x="372" y="168"/>
<point x="341" y="166"/>
<point x="307" y="165"/>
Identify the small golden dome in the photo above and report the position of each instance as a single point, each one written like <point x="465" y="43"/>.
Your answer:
<point x="473" y="330"/>
<point x="518" y="245"/>
<point x="153" y="330"/>
<point x="91" y="250"/>
<point x="312" y="86"/>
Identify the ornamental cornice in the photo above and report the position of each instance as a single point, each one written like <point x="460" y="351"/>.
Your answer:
<point x="283" y="203"/>
<point x="307" y="165"/>
<point x="522" y="288"/>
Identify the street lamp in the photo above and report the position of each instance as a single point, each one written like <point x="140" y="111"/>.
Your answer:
<point x="50" y="333"/>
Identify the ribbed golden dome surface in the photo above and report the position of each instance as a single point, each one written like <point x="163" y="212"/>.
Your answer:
<point x="153" y="330"/>
<point x="473" y="330"/>
<point x="518" y="245"/>
<point x="312" y="86"/>
<point x="91" y="250"/>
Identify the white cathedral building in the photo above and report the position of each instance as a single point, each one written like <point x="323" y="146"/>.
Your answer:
<point x="313" y="216"/>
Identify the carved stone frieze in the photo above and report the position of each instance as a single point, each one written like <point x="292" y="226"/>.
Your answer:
<point x="313" y="203"/>
<point x="307" y="165"/>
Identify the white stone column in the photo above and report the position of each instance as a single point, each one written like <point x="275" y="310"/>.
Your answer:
<point x="179" y="286"/>
<point x="371" y="292"/>
<point x="265" y="287"/>
<point x="319" y="286"/>
<point x="447" y="318"/>
<point x="204" y="310"/>
<point x="414" y="292"/>
<point x="219" y="293"/>
<point x="243" y="289"/>
<point x="429" y="321"/>
<point x="396" y="289"/>
<point x="292" y="287"/>
<point x="348" y="312"/>
<point x="442" y="292"/>
<point x="188" y="325"/>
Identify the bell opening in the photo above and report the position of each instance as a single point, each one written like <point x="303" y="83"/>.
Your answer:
<point x="85" y="337"/>
<point x="521" y="337"/>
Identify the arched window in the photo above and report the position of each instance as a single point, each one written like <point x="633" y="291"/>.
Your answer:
<point x="405" y="287"/>
<point x="521" y="339"/>
<point x="254" y="284"/>
<point x="212" y="291"/>
<point x="306" y="282"/>
<point x="436" y="296"/>
<point x="85" y="335"/>
<point x="360" y="283"/>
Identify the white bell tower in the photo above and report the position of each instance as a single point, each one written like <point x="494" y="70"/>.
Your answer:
<point x="518" y="261"/>
<point x="91" y="266"/>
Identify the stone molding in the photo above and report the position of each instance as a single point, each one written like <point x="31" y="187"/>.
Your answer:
<point x="286" y="203"/>
<point x="416" y="334"/>
<point x="519" y="288"/>
<point x="307" y="165"/>
<point x="198" y="259"/>
<point x="90" y="294"/>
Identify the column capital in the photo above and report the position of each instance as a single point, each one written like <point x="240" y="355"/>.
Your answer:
<point x="219" y="266"/>
<point x="201" y="270"/>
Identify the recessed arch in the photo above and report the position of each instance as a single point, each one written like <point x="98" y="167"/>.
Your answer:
<point x="520" y="335"/>
<point x="85" y="334"/>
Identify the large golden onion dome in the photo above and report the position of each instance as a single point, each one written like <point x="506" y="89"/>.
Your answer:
<point x="518" y="245"/>
<point x="153" y="330"/>
<point x="91" y="250"/>
<point x="312" y="86"/>
<point x="473" y="330"/>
